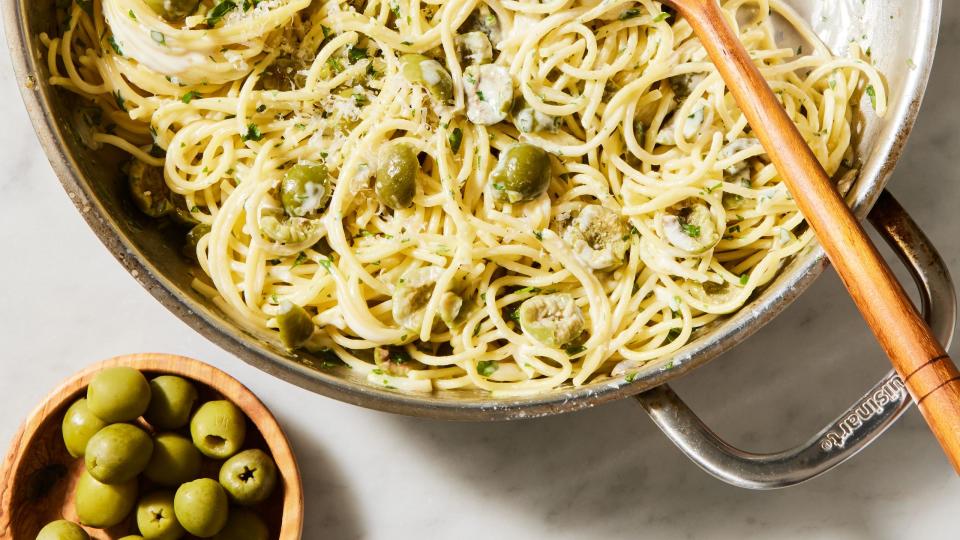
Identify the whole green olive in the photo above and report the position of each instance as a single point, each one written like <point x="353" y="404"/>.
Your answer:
<point x="295" y="325"/>
<point x="397" y="175"/>
<point x="103" y="505"/>
<point x="243" y="524"/>
<point x="173" y="10"/>
<point x="62" y="530"/>
<point x="426" y="71"/>
<point x="118" y="394"/>
<point x="522" y="173"/>
<point x="118" y="453"/>
<point x="156" y="519"/>
<point x="551" y="319"/>
<point x="305" y="190"/>
<point x="196" y="233"/>
<point x="171" y="402"/>
<point x="201" y="507"/>
<point x="79" y="424"/>
<point x="175" y="460"/>
<point x="249" y="477"/>
<point x="149" y="189"/>
<point x="218" y="429"/>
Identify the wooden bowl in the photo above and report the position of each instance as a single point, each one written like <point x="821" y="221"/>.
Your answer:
<point x="38" y="477"/>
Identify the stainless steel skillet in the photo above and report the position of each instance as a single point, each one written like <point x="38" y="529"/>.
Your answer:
<point x="902" y="37"/>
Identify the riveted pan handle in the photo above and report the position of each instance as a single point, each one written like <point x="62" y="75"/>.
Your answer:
<point x="859" y="425"/>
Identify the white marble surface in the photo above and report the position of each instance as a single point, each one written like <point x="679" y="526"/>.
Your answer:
<point x="603" y="473"/>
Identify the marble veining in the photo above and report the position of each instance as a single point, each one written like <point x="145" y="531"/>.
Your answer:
<point x="601" y="473"/>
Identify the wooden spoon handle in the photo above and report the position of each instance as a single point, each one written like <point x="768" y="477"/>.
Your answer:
<point x="927" y="370"/>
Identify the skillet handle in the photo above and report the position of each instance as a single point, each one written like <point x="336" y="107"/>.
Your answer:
<point x="859" y="425"/>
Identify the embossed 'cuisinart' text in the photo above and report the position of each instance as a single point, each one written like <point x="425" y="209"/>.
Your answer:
<point x="872" y="405"/>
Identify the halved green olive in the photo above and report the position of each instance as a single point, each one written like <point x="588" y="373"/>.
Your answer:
<point x="483" y="20"/>
<point x="285" y="73"/>
<point x="149" y="189"/>
<point x="295" y="325"/>
<point x="474" y="48"/>
<point x="691" y="228"/>
<point x="305" y="190"/>
<point x="489" y="93"/>
<point x="426" y="71"/>
<point x="598" y="236"/>
<point x="529" y="120"/>
<point x="412" y="294"/>
<point x="551" y="319"/>
<point x="397" y="175"/>
<point x="522" y="173"/>
<point x="173" y="10"/>
<point x="288" y="230"/>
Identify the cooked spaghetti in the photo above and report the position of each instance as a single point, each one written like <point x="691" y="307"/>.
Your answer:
<point x="505" y="195"/>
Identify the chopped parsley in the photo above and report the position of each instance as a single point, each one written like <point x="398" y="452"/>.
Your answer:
<point x="122" y="103"/>
<point x="693" y="231"/>
<point x="631" y="376"/>
<point x="190" y="96"/>
<point x="356" y="53"/>
<point x="630" y="14"/>
<point x="253" y="133"/>
<point x="872" y="92"/>
<point x="115" y="46"/>
<point x="219" y="11"/>
<point x="301" y="258"/>
<point x="662" y="16"/>
<point x="744" y="278"/>
<point x="456" y="137"/>
<point x="486" y="367"/>
<point x="574" y="350"/>
<point x="158" y="36"/>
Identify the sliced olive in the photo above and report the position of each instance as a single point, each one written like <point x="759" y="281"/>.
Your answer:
<point x="691" y="228"/>
<point x="394" y="360"/>
<point x="426" y="71"/>
<point x="529" y="120"/>
<point x="599" y="237"/>
<point x="522" y="173"/>
<point x="684" y="84"/>
<point x="551" y="319"/>
<point x="149" y="189"/>
<point x="305" y="190"/>
<point x="295" y="325"/>
<point x="483" y="20"/>
<point x="397" y="175"/>
<point x="474" y="48"/>
<point x="87" y="123"/>
<point x="689" y="124"/>
<point x="451" y="307"/>
<point x="285" y="73"/>
<point x="173" y="10"/>
<point x="489" y="92"/>
<point x="736" y="146"/>
<point x="412" y="294"/>
<point x="288" y="230"/>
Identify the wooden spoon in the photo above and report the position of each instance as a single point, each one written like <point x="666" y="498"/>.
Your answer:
<point x="923" y="364"/>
